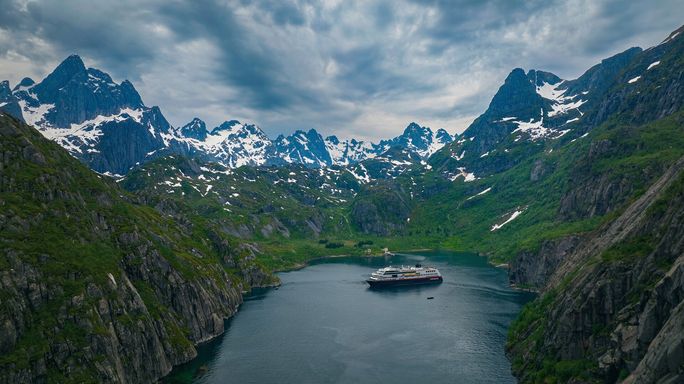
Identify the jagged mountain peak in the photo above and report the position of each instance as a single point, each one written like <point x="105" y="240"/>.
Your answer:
<point x="333" y="139"/>
<point x="235" y="129"/>
<point x="539" y="78"/>
<point x="73" y="94"/>
<point x="5" y="88"/>
<point x="310" y="134"/>
<point x="416" y="131"/>
<point x="71" y="67"/>
<point x="414" y="126"/>
<point x="419" y="139"/>
<point x="73" y="64"/>
<point x="673" y="35"/>
<point x="195" y="129"/>
<point x="443" y="135"/>
<point x="8" y="102"/>
<point x="26" y="82"/>
<point x="516" y="75"/>
<point x="80" y="107"/>
<point x="227" y="125"/>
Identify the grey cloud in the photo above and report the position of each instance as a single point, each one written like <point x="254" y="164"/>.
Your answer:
<point x="304" y="63"/>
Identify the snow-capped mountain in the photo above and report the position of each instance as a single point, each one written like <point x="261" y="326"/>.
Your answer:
<point x="232" y="143"/>
<point x="104" y="124"/>
<point x="311" y="149"/>
<point x="350" y="151"/>
<point x="535" y="108"/>
<point x="308" y="148"/>
<point x="421" y="140"/>
<point x="107" y="126"/>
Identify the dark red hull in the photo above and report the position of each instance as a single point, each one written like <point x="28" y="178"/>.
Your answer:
<point x="402" y="282"/>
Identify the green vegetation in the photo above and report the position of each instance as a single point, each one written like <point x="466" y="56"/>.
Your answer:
<point x="70" y="235"/>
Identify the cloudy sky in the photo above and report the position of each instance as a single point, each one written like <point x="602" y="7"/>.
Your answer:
<point x="353" y="68"/>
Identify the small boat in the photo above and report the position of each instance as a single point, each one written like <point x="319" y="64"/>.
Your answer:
<point x="395" y="276"/>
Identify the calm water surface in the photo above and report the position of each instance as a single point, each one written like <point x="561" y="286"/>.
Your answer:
<point x="324" y="325"/>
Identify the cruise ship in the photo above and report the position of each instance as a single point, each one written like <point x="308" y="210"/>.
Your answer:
<point x="393" y="276"/>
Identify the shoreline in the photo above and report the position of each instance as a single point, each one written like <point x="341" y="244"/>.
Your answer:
<point x="303" y="265"/>
<point x="307" y="263"/>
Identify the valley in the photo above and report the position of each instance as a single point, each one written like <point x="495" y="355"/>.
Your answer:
<point x="128" y="241"/>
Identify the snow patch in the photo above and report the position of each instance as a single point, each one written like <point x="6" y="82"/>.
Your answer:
<point x="653" y="64"/>
<point x="561" y="103"/>
<point x="511" y="218"/>
<point x="467" y="176"/>
<point x="35" y="116"/>
<point x="480" y="194"/>
<point x="505" y="119"/>
<point x="634" y="80"/>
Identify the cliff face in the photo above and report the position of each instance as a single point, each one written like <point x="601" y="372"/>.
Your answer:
<point x="382" y="209"/>
<point x="94" y="287"/>
<point x="613" y="304"/>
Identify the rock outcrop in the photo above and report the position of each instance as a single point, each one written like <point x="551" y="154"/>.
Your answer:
<point x="614" y="300"/>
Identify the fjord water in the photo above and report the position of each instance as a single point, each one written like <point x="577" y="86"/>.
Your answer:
<point x="324" y="325"/>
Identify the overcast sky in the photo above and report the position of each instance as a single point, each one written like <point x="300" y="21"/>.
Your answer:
<point x="360" y="69"/>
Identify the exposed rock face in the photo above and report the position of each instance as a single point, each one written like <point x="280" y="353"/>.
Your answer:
<point x="615" y="298"/>
<point x="594" y="197"/>
<point x="8" y="102"/>
<point x="381" y="209"/>
<point x="196" y="129"/>
<point x="533" y="269"/>
<point x="93" y="287"/>
<point x="87" y="113"/>
<point x="80" y="94"/>
<point x="534" y="106"/>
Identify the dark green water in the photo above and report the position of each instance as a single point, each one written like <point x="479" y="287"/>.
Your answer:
<point x="324" y="325"/>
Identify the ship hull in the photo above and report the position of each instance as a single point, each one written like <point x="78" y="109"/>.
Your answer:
<point x="403" y="282"/>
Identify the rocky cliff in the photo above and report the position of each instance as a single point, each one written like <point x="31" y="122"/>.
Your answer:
<point x="610" y="308"/>
<point x="611" y="304"/>
<point x="94" y="287"/>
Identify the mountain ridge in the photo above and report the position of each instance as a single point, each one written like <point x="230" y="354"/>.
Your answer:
<point x="81" y="107"/>
<point x="575" y="184"/>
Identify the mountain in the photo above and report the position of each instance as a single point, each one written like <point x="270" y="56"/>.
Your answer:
<point x="231" y="143"/>
<point x="306" y="148"/>
<point x="536" y="107"/>
<point x="96" y="287"/>
<point x="266" y="203"/>
<point x="8" y="102"/>
<point x="421" y="140"/>
<point x="104" y="124"/>
<point x="611" y="298"/>
<point x="196" y="129"/>
<point x="108" y="127"/>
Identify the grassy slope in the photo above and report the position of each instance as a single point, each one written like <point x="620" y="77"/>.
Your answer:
<point x="445" y="219"/>
<point x="52" y="220"/>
